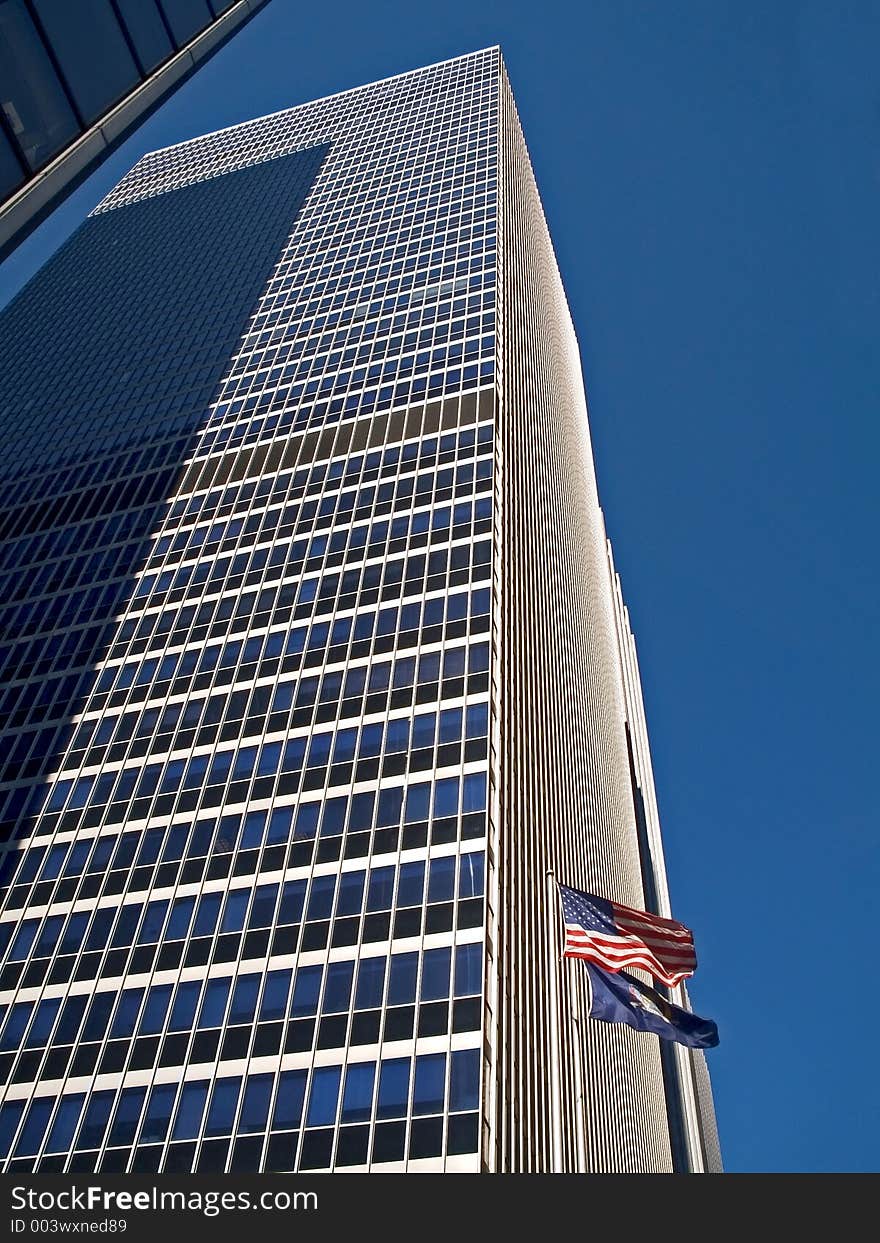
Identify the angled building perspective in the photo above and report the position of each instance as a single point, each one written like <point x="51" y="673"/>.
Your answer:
<point x="314" y="661"/>
<point x="76" y="76"/>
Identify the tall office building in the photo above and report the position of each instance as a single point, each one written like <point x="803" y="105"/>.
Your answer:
<point x="315" y="661"/>
<point x="76" y="76"/>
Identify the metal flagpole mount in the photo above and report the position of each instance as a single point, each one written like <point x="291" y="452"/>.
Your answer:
<point x="553" y="891"/>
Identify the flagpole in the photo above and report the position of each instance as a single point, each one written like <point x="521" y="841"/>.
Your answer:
<point x="556" y="1159"/>
<point x="578" y="1052"/>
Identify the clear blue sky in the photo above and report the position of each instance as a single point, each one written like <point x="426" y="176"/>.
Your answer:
<point x="711" y="173"/>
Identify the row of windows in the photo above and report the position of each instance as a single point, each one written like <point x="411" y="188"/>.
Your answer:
<point x="283" y="358"/>
<point x="440" y="569"/>
<point x="22" y="703"/>
<point x="105" y="862"/>
<point x="326" y="478"/>
<point x="291" y="558"/>
<point x="277" y="356"/>
<point x="371" y="401"/>
<point x="383" y="690"/>
<point x="425" y="270"/>
<point x="418" y="574"/>
<point x="246" y="945"/>
<point x="427" y="741"/>
<point x="269" y="413"/>
<point x="213" y="537"/>
<point x="243" y="909"/>
<point x="423" y="1088"/>
<point x="120" y="486"/>
<point x="365" y="633"/>
<point x="329" y="510"/>
<point x="324" y="373"/>
<point x="270" y="490"/>
<point x="225" y="776"/>
<point x="258" y="1014"/>
<point x="342" y="693"/>
<point x="96" y="567"/>
<point x="248" y="844"/>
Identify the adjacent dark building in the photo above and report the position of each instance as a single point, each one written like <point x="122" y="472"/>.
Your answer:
<point x="76" y="76"/>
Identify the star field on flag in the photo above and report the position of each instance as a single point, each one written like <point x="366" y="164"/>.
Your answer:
<point x="615" y="936"/>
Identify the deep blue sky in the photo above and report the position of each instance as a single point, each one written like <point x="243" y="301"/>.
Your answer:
<point x="711" y="175"/>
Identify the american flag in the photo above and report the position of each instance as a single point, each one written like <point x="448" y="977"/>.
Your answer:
<point x="616" y="936"/>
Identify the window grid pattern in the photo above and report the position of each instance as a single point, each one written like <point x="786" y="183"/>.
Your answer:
<point x="275" y="773"/>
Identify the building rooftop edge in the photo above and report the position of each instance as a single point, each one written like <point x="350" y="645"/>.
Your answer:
<point x="307" y="103"/>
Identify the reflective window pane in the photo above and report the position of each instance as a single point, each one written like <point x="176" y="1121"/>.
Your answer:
<point x="429" y="1090"/>
<point x="33" y="99"/>
<point x="91" y="50"/>
<point x="11" y="174"/>
<point x="186" y="17"/>
<point x="147" y="31"/>
<point x="393" y="1088"/>
<point x="358" y="1096"/>
<point x="323" y="1096"/>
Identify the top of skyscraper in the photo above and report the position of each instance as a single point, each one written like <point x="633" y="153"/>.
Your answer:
<point x="277" y="133"/>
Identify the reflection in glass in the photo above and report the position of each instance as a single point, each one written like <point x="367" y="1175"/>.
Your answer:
<point x="89" y="45"/>
<point x="10" y="169"/>
<point x="31" y="96"/>
<point x="148" y="34"/>
<point x="185" y="17"/>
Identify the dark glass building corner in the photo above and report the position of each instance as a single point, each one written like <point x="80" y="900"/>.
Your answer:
<point x="76" y="78"/>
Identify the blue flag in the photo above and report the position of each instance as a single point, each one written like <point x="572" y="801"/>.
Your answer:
<point x="621" y="998"/>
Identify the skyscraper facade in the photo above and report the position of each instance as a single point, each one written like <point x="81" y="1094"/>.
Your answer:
<point x="314" y="662"/>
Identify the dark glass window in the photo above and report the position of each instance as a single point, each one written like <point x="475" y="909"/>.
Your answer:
<point x="158" y="1113"/>
<point x="435" y="974"/>
<point x="464" y="1080"/>
<point x="255" y="1106"/>
<point x="393" y="1088"/>
<point x="91" y="50"/>
<point x="351" y="893"/>
<point x="64" y="1126"/>
<point x="370" y="983"/>
<point x="35" y="1127"/>
<point x="190" y="1110"/>
<point x="357" y="1098"/>
<point x="244" y="998"/>
<point x="289" y="1101"/>
<point x="470" y="875"/>
<point x="33" y="99"/>
<point x="402" y="985"/>
<point x="323" y="1095"/>
<point x="274" y="1001"/>
<point x="186" y="17"/>
<point x="153" y="1017"/>
<point x="441" y="882"/>
<point x="429" y="1090"/>
<point x="11" y="173"/>
<point x="223" y="1102"/>
<point x="214" y="1003"/>
<point x="306" y="990"/>
<point x="10" y="1116"/>
<point x="337" y="992"/>
<point x="94" y="1124"/>
<point x="473" y="796"/>
<point x="126" y="1013"/>
<point x="184" y="1009"/>
<point x="468" y="970"/>
<point x="125" y="1121"/>
<point x="147" y="32"/>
